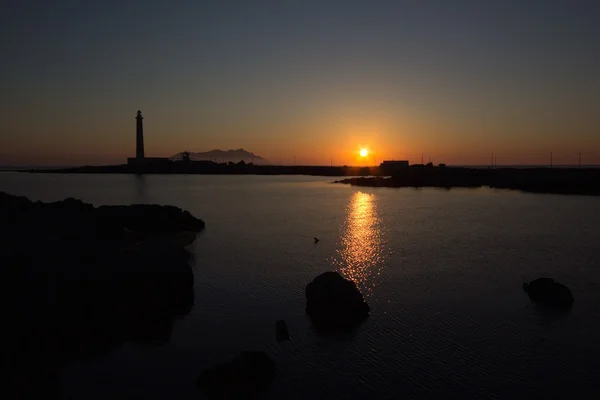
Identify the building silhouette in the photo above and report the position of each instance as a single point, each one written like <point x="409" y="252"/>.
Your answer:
<point x="391" y="166"/>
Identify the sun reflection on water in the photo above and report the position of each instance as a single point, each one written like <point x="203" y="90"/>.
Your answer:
<point x="361" y="255"/>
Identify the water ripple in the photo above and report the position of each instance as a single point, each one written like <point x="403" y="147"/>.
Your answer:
<point x="362" y="254"/>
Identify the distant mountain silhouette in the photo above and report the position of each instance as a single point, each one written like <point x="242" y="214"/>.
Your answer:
<point x="225" y="156"/>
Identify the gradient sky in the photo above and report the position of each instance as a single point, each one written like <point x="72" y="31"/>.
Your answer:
<point x="455" y="80"/>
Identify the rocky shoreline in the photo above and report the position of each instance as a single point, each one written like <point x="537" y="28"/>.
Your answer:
<point x="83" y="280"/>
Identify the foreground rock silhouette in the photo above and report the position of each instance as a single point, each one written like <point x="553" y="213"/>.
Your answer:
<point x="334" y="304"/>
<point x="80" y="281"/>
<point x="549" y="293"/>
<point x="244" y="377"/>
<point x="74" y="219"/>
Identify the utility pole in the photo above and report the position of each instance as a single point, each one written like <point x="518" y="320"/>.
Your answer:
<point x="421" y="158"/>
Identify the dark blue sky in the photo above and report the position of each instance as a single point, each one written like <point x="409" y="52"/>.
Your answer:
<point x="456" y="79"/>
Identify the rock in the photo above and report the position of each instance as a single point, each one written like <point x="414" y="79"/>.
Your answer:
<point x="548" y="292"/>
<point x="183" y="239"/>
<point x="282" y="331"/>
<point x="244" y="377"/>
<point x="83" y="280"/>
<point x="149" y="218"/>
<point x="334" y="303"/>
<point x="74" y="219"/>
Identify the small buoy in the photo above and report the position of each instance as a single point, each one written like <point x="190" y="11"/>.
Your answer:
<point x="282" y="331"/>
<point x="316" y="240"/>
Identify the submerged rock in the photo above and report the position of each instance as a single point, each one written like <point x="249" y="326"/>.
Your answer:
<point x="334" y="303"/>
<point x="244" y="377"/>
<point x="548" y="292"/>
<point x="282" y="331"/>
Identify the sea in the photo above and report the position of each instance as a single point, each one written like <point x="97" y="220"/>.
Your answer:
<point x="441" y="269"/>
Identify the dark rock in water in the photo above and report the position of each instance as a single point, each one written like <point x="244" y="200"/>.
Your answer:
<point x="83" y="280"/>
<point x="334" y="303"/>
<point x="282" y="331"/>
<point x="548" y="292"/>
<point x="244" y="377"/>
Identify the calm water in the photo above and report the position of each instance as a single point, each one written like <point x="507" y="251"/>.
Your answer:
<point x="442" y="271"/>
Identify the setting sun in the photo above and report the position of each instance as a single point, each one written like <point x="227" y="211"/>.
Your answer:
<point x="364" y="152"/>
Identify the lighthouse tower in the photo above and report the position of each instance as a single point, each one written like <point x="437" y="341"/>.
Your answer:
<point x="139" y="153"/>
<point x="140" y="160"/>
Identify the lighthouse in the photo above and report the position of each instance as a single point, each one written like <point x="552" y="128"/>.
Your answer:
<point x="140" y="159"/>
<point x="139" y="136"/>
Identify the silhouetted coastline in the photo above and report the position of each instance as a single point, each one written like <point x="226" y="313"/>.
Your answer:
<point x="574" y="181"/>
<point x="212" y="168"/>
<point x="81" y="281"/>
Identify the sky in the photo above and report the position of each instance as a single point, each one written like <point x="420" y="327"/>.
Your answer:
<point x="317" y="80"/>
